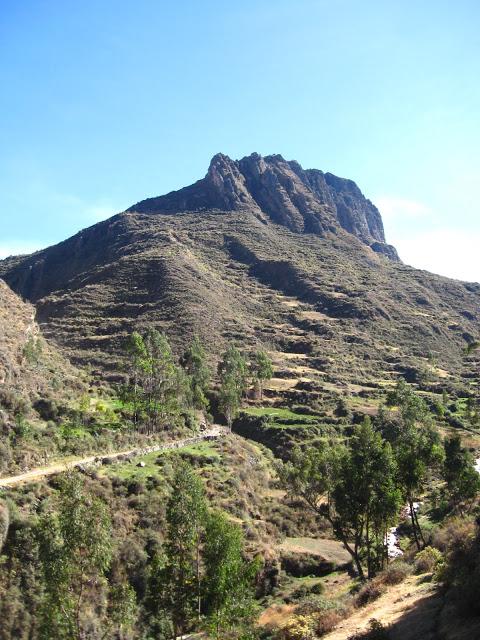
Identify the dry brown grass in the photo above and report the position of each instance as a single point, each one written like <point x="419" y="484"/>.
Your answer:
<point x="276" y="615"/>
<point x="409" y="609"/>
<point x="281" y="384"/>
<point x="329" y="550"/>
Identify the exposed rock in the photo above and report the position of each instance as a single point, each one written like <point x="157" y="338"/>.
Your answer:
<point x="304" y="201"/>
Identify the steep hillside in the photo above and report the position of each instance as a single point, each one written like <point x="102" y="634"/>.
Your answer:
<point x="261" y="252"/>
<point x="30" y="368"/>
<point x="38" y="388"/>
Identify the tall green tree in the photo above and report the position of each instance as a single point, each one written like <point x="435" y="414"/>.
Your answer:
<point x="461" y="477"/>
<point x="156" y="386"/>
<point x="354" y="488"/>
<point x="137" y="362"/>
<point x="418" y="450"/>
<point x="75" y="550"/>
<point x="262" y="369"/>
<point x="160" y="380"/>
<point x="194" y="362"/>
<point x="233" y="374"/>
<point x="186" y="513"/>
<point x="229" y="579"/>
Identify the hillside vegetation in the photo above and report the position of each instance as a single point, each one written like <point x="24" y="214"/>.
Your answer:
<point x="245" y="418"/>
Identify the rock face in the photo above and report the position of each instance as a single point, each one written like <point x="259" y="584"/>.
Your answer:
<point x="280" y="191"/>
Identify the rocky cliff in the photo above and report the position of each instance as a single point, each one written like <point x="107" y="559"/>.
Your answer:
<point x="280" y="191"/>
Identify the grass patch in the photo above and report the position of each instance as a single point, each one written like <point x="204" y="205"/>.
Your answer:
<point x="280" y="413"/>
<point x="203" y="453"/>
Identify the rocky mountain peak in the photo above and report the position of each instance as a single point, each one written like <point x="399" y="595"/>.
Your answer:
<point x="280" y="191"/>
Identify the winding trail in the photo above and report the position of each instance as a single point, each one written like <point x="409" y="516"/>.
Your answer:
<point x="410" y="609"/>
<point x="39" y="473"/>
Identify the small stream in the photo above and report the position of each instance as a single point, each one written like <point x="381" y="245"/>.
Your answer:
<point x="392" y="539"/>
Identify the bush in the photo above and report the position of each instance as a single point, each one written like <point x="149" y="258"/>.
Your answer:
<point x="395" y="573"/>
<point x="314" y="617"/>
<point x="4" y="523"/>
<point x="453" y="531"/>
<point x="314" y="604"/>
<point x="327" y="621"/>
<point x="46" y="409"/>
<point x="6" y="456"/>
<point x="305" y="564"/>
<point x="311" y="626"/>
<point x="461" y="574"/>
<point x="369" y="591"/>
<point x="376" y="631"/>
<point x="304" y="591"/>
<point x="299" y="628"/>
<point x="427" y="561"/>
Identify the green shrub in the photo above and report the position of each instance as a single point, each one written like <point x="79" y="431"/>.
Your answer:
<point x="427" y="560"/>
<point x="314" y="604"/>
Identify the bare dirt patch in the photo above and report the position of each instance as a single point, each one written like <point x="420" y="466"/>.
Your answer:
<point x="410" y="607"/>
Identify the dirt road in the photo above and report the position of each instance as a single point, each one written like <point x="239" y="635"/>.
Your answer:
<point x="410" y="609"/>
<point x="216" y="431"/>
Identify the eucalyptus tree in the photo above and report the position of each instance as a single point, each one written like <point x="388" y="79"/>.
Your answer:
<point x="262" y="369"/>
<point x="156" y="386"/>
<point x="459" y="472"/>
<point x="233" y="374"/>
<point x="194" y="362"/>
<point x="229" y="578"/>
<point x="75" y="551"/>
<point x="418" y="450"/>
<point x="354" y="487"/>
<point x="181" y="570"/>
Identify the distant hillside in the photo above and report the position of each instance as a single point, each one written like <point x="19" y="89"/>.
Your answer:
<point x="263" y="253"/>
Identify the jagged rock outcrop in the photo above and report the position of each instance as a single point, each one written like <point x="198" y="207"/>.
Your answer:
<point x="304" y="201"/>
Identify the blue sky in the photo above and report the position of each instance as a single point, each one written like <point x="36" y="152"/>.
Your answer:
<point x="104" y="103"/>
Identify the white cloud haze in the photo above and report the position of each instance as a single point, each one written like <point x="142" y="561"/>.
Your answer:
<point x="16" y="249"/>
<point x="448" y="251"/>
<point x="393" y="207"/>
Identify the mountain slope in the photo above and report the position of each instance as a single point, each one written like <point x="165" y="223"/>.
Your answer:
<point x="30" y="368"/>
<point x="256" y="258"/>
<point x="37" y="386"/>
<point x="303" y="201"/>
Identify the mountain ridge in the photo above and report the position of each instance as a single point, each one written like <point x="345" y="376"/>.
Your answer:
<point x="323" y="303"/>
<point x="279" y="191"/>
